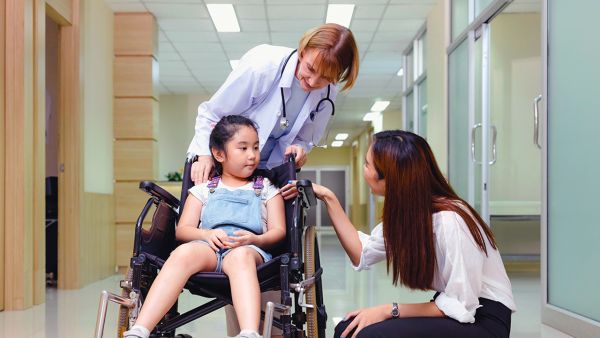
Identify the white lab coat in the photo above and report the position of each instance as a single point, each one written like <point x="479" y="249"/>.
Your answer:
<point x="252" y="90"/>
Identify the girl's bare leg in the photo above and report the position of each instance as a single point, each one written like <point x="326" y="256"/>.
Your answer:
<point x="184" y="261"/>
<point x="240" y="266"/>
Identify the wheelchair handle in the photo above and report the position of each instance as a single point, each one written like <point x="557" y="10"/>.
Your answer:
<point x="306" y="193"/>
<point x="155" y="190"/>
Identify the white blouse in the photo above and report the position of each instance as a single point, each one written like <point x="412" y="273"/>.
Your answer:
<point x="464" y="273"/>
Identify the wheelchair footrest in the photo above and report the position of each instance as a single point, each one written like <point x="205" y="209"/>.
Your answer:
<point x="105" y="297"/>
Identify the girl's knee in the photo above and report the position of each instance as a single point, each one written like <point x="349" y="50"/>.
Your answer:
<point x="185" y="256"/>
<point x="241" y="257"/>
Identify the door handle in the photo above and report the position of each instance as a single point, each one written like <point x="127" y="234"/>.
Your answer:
<point x="494" y="136"/>
<point x="478" y="125"/>
<point x="536" y="121"/>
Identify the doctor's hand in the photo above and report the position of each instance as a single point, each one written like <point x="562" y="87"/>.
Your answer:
<point x="362" y="318"/>
<point x="201" y="169"/>
<point x="298" y="152"/>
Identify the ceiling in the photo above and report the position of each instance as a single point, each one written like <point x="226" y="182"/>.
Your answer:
<point x="194" y="58"/>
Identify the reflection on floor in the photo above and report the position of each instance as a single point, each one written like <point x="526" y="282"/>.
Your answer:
<point x="72" y="313"/>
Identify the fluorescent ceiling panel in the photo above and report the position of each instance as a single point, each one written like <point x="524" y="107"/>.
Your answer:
<point x="380" y="105"/>
<point x="336" y="144"/>
<point x="223" y="16"/>
<point x="340" y="14"/>
<point x="341" y="136"/>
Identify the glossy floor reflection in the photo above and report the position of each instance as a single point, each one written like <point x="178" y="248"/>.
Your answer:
<point x="72" y="313"/>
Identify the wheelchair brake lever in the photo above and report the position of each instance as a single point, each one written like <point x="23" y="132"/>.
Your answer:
<point x="300" y="288"/>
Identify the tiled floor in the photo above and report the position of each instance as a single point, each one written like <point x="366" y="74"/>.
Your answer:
<point x="72" y="313"/>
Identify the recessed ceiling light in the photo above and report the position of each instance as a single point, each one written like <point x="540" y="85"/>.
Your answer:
<point x="341" y="136"/>
<point x="340" y="14"/>
<point x="371" y="116"/>
<point x="233" y="63"/>
<point x="400" y="72"/>
<point x="380" y="105"/>
<point x="223" y="16"/>
<point x="336" y="144"/>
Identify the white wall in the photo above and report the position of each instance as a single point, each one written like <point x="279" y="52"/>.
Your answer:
<point x="177" y="117"/>
<point x="97" y="96"/>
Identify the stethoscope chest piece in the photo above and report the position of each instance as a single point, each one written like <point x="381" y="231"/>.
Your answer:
<point x="284" y="123"/>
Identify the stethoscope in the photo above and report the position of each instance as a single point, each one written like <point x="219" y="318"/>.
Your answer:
<point x="283" y="121"/>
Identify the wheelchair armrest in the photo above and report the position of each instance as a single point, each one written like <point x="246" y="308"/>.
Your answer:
<point x="306" y="193"/>
<point x="156" y="191"/>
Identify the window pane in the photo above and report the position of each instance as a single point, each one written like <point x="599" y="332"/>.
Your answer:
<point x="480" y="5"/>
<point x="458" y="120"/>
<point x="460" y="16"/>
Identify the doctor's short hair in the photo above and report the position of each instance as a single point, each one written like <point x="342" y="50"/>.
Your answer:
<point x="338" y="54"/>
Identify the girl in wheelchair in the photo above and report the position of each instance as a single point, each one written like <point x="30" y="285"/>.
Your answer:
<point x="241" y="215"/>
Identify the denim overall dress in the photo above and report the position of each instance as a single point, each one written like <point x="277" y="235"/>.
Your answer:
<point x="233" y="210"/>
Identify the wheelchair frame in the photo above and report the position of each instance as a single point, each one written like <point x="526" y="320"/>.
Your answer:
<point x="285" y="272"/>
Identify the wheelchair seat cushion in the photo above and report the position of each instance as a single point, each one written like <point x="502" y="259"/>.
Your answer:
<point x="216" y="284"/>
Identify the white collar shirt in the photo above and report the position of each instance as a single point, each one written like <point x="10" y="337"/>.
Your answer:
<point x="463" y="273"/>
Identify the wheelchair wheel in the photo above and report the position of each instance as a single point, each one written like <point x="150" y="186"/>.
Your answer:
<point x="123" y="323"/>
<point x="312" y="329"/>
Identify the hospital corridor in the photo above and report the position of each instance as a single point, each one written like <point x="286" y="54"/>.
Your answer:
<point x="452" y="142"/>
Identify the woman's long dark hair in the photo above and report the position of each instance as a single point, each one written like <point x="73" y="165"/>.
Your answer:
<point x="415" y="189"/>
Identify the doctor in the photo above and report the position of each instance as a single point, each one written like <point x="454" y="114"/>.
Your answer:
<point x="288" y="93"/>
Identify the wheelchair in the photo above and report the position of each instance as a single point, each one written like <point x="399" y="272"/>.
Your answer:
<point x="295" y="269"/>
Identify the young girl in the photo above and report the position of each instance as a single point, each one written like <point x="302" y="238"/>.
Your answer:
<point x="431" y="239"/>
<point x="241" y="216"/>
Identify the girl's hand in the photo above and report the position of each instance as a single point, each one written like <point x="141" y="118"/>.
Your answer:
<point x="201" y="169"/>
<point x="241" y="238"/>
<point x="289" y="190"/>
<point x="365" y="317"/>
<point x="217" y="239"/>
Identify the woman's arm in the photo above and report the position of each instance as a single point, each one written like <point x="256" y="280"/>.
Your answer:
<point x="375" y="314"/>
<point x="343" y="227"/>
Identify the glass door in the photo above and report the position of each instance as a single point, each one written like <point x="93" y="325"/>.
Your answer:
<point x="570" y="231"/>
<point x="468" y="119"/>
<point x="472" y="135"/>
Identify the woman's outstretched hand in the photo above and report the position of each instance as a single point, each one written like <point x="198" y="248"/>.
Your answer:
<point x="201" y="169"/>
<point x="362" y="318"/>
<point x="320" y="191"/>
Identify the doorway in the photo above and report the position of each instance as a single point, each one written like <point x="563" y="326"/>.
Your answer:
<point x="494" y="84"/>
<point x="52" y="96"/>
